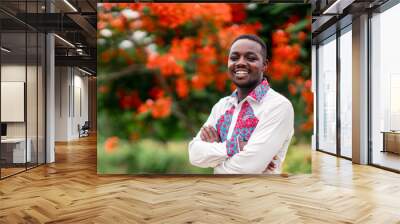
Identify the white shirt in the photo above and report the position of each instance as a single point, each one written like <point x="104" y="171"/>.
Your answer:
<point x="271" y="136"/>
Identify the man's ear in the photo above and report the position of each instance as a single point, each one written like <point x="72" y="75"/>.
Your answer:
<point x="265" y="64"/>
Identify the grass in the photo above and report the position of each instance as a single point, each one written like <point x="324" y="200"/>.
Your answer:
<point x="298" y="159"/>
<point x="149" y="156"/>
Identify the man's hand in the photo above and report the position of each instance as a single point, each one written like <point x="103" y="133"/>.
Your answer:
<point x="242" y="144"/>
<point x="209" y="134"/>
<point x="271" y="166"/>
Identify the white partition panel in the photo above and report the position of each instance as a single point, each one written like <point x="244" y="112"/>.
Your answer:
<point x="12" y="101"/>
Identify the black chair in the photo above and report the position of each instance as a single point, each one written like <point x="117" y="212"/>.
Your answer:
<point x="84" y="130"/>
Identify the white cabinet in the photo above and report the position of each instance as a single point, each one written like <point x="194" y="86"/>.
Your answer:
<point x="12" y="101"/>
<point x="18" y="149"/>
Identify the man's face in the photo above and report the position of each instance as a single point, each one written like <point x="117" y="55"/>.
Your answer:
<point x="246" y="64"/>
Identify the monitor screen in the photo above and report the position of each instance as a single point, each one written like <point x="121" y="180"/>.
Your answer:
<point x="3" y="129"/>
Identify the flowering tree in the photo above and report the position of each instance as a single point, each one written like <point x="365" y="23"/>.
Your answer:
<point x="162" y="66"/>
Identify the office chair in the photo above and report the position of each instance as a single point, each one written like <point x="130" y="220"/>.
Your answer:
<point x="84" y="130"/>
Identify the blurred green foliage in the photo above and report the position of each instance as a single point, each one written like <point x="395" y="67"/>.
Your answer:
<point x="149" y="156"/>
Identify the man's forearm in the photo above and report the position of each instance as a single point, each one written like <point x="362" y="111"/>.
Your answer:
<point x="206" y="154"/>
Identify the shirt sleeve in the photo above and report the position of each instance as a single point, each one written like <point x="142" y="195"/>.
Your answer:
<point x="205" y="154"/>
<point x="273" y="131"/>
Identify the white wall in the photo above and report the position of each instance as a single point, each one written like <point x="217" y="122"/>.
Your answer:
<point x="61" y="103"/>
<point x="33" y="126"/>
<point x="71" y="94"/>
<point x="12" y="73"/>
<point x="314" y="91"/>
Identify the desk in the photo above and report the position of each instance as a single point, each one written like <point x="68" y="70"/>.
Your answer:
<point x="17" y="150"/>
<point x="391" y="141"/>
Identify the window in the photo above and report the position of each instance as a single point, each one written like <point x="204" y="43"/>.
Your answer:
<point x="346" y="92"/>
<point x="327" y="95"/>
<point x="385" y="88"/>
<point x="23" y="87"/>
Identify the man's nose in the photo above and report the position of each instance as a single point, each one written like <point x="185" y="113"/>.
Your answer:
<point x="241" y="61"/>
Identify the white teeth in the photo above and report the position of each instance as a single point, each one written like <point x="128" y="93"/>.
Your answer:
<point x="241" y="72"/>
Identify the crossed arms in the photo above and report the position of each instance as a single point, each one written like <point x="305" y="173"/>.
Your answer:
<point x="270" y="138"/>
<point x="209" y="134"/>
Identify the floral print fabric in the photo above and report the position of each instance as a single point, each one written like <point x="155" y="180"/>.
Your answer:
<point x="246" y="121"/>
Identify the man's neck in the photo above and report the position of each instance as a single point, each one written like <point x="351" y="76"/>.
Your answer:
<point x="244" y="92"/>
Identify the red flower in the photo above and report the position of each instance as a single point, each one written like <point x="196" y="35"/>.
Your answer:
<point x="233" y="87"/>
<point x="118" y="23"/>
<point x="161" y="108"/>
<point x="295" y="52"/>
<point x="167" y="65"/>
<point x="130" y="101"/>
<point x="103" y="89"/>
<point x="198" y="82"/>
<point x="307" y="84"/>
<point x="123" y="5"/>
<point x="206" y="63"/>
<point x="307" y="126"/>
<point x="111" y="144"/>
<point x="182" y="88"/>
<point x="156" y="93"/>
<point x="101" y="25"/>
<point x="170" y="15"/>
<point x="144" y="108"/>
<point x="302" y="36"/>
<point x="294" y="19"/>
<point x="294" y="71"/>
<point x="104" y="16"/>
<point x="292" y="89"/>
<point x="108" y="6"/>
<point x="280" y="37"/>
<point x="238" y="13"/>
<point x="227" y="34"/>
<point x="148" y="24"/>
<point x="278" y="69"/>
<point x="105" y="56"/>
<point x="181" y="49"/>
<point x="308" y="96"/>
<point x="122" y="53"/>
<point x="220" y="81"/>
<point x="299" y="81"/>
<point x="308" y="27"/>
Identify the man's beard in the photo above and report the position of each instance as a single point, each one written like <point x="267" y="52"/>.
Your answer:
<point x="248" y="85"/>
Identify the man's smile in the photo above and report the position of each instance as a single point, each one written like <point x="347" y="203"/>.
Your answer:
<point x="241" y="73"/>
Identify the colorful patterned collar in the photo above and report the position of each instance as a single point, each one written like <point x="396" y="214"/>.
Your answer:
<point x="258" y="93"/>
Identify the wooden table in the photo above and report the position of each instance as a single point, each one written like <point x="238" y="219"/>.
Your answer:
<point x="391" y="141"/>
<point x="13" y="150"/>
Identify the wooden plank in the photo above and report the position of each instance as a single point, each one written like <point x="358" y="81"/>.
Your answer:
<point x="70" y="191"/>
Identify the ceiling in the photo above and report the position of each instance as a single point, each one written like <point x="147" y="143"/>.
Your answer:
<point x="74" y="22"/>
<point x="328" y="15"/>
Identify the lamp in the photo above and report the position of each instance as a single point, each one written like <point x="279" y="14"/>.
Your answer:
<point x="84" y="71"/>
<point x="70" y="5"/>
<point x="5" y="50"/>
<point x="64" y="40"/>
<point x="337" y="7"/>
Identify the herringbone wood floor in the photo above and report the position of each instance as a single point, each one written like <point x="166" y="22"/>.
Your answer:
<point x="70" y="191"/>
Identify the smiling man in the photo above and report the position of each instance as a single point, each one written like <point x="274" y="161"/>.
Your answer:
<point x="249" y="131"/>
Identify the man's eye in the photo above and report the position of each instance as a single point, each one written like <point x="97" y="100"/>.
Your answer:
<point x="234" y="58"/>
<point x="252" y="59"/>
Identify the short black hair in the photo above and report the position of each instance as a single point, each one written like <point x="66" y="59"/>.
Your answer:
<point x="256" y="39"/>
